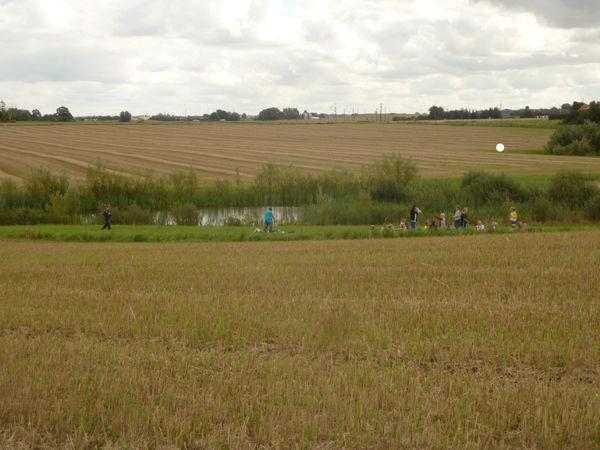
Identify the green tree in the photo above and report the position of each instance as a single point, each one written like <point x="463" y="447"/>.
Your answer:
<point x="63" y="114"/>
<point x="291" y="113"/>
<point x="436" y="113"/>
<point x="124" y="116"/>
<point x="271" y="114"/>
<point x="527" y="113"/>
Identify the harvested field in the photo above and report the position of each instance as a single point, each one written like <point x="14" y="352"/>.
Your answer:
<point x="216" y="150"/>
<point x="338" y="344"/>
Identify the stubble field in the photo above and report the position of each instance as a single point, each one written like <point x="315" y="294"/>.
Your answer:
<point x="475" y="341"/>
<point x="217" y="150"/>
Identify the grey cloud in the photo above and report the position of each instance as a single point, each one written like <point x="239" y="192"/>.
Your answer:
<point x="558" y="13"/>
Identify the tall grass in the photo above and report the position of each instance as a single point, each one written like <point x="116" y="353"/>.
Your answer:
<point x="382" y="192"/>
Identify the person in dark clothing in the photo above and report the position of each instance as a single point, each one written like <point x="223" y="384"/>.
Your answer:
<point x="464" y="218"/>
<point x="414" y="215"/>
<point x="107" y="217"/>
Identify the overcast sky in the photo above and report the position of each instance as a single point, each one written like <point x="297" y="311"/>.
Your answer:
<point x="178" y="56"/>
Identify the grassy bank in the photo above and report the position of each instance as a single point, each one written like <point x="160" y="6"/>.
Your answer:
<point x="466" y="342"/>
<point x="154" y="233"/>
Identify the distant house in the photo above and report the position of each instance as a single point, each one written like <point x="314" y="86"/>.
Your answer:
<point x="141" y="118"/>
<point x="584" y="108"/>
<point x="542" y="116"/>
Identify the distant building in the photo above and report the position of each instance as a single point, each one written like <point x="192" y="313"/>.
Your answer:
<point x="584" y="108"/>
<point x="542" y="116"/>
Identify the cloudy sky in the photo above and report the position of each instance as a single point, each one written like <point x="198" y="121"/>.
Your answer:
<point x="178" y="56"/>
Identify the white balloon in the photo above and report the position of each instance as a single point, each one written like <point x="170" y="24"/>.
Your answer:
<point x="500" y="148"/>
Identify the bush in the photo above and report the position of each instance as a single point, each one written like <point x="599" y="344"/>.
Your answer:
<point x="186" y="214"/>
<point x="571" y="189"/>
<point x="592" y="209"/>
<point x="575" y="140"/>
<point x="484" y="188"/>
<point x="388" y="180"/>
<point x="543" y="210"/>
<point x="134" y="215"/>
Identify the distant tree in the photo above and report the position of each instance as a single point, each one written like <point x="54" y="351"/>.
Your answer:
<point x="527" y="113"/>
<point x="36" y="114"/>
<point x="161" y="117"/>
<point x="234" y="117"/>
<point x="124" y="116"/>
<point x="291" y="113"/>
<point x="271" y="114"/>
<point x="592" y="114"/>
<point x="436" y="113"/>
<point x="63" y="114"/>
<point x="244" y="116"/>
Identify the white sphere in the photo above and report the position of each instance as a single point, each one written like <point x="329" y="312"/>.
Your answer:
<point x="500" y="148"/>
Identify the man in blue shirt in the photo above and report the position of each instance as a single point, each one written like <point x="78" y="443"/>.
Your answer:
<point x="269" y="220"/>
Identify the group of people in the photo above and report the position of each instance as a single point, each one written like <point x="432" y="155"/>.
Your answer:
<point x="460" y="221"/>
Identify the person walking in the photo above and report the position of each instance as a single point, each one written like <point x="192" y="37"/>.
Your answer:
<point x="414" y="215"/>
<point x="269" y="220"/>
<point x="457" y="218"/>
<point x="107" y="217"/>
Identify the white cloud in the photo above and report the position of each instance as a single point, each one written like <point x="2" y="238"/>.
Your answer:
<point x="100" y="56"/>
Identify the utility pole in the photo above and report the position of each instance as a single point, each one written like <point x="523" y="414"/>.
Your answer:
<point x="381" y="112"/>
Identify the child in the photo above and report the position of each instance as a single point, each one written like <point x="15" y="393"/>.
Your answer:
<point x="480" y="226"/>
<point x="514" y="217"/>
<point x="442" y="220"/>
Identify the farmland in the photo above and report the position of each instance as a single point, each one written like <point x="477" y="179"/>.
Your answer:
<point x="356" y="344"/>
<point x="218" y="150"/>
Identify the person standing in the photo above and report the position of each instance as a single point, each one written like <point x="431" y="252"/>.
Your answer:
<point x="414" y="215"/>
<point x="107" y="217"/>
<point x="514" y="217"/>
<point x="457" y="218"/>
<point x="269" y="220"/>
<point x="464" y="218"/>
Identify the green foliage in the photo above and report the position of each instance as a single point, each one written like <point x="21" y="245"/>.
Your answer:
<point x="580" y="117"/>
<point x="543" y="210"/>
<point x="63" y="114"/>
<point x="592" y="208"/>
<point x="185" y="214"/>
<point x="134" y="215"/>
<point x="481" y="188"/>
<point x="571" y="189"/>
<point x="271" y="114"/>
<point x="575" y="140"/>
<point x="389" y="179"/>
<point x="124" y="116"/>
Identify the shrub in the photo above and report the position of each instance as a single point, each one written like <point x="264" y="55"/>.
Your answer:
<point x="571" y="189"/>
<point x="542" y="210"/>
<point x="592" y="209"/>
<point x="484" y="188"/>
<point x="575" y="140"/>
<point x="186" y="214"/>
<point x="134" y="215"/>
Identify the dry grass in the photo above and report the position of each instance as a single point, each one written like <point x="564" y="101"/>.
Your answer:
<point x="217" y="150"/>
<point x="481" y="341"/>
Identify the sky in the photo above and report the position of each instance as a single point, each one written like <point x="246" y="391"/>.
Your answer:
<point x="194" y="56"/>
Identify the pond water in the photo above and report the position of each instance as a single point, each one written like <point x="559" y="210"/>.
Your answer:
<point x="218" y="217"/>
<point x="284" y="215"/>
